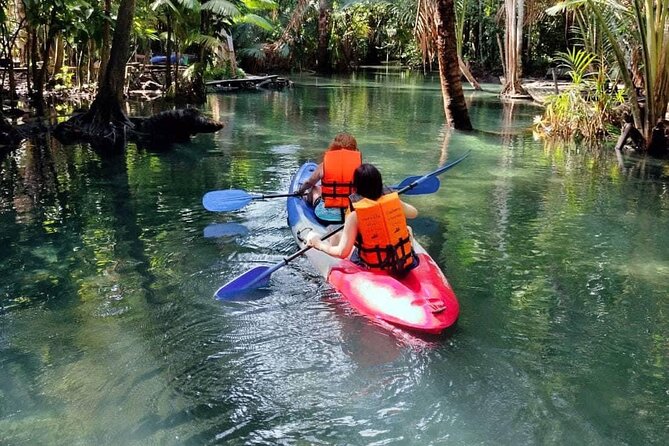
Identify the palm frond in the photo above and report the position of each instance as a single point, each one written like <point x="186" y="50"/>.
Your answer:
<point x="209" y="42"/>
<point x="261" y="5"/>
<point x="221" y="7"/>
<point x="253" y="19"/>
<point x="255" y="52"/>
<point x="159" y="4"/>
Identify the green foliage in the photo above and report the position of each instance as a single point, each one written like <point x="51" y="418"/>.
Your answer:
<point x="585" y="108"/>
<point x="220" y="72"/>
<point x="64" y="77"/>
<point x="634" y="36"/>
<point x="373" y="32"/>
<point x="349" y="39"/>
<point x="578" y="63"/>
<point x="223" y="71"/>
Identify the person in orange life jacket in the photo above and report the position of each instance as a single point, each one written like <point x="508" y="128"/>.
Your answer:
<point x="335" y="173"/>
<point x="376" y="226"/>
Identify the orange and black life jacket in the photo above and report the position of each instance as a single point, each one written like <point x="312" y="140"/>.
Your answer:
<point x="337" y="181"/>
<point x="383" y="236"/>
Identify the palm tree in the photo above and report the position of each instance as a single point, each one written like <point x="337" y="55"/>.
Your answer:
<point x="455" y="106"/>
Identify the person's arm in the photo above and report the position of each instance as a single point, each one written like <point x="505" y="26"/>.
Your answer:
<point x="345" y="245"/>
<point x="313" y="179"/>
<point x="409" y="211"/>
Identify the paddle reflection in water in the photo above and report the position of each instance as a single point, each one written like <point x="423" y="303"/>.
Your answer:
<point x="231" y="229"/>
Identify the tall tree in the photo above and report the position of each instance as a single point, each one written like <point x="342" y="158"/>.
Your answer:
<point x="514" y="13"/>
<point x="455" y="106"/>
<point x="106" y="121"/>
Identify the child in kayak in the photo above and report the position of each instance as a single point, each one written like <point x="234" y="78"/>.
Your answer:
<point x="335" y="174"/>
<point x="376" y="227"/>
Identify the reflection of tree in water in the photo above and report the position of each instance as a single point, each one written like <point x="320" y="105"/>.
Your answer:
<point x="72" y="244"/>
<point x="34" y="176"/>
<point x="63" y="199"/>
<point x="32" y="210"/>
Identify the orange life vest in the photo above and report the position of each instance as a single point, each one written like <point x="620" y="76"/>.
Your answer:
<point x="383" y="236"/>
<point x="337" y="181"/>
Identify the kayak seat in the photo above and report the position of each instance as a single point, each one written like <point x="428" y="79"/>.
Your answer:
<point x="327" y="215"/>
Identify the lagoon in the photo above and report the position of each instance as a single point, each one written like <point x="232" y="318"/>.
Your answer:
<point x="109" y="332"/>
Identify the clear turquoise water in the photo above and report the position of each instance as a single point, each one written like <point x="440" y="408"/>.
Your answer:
<point x="109" y="333"/>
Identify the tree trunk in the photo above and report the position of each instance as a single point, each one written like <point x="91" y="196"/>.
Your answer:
<point x="468" y="75"/>
<point x="8" y="43"/>
<point x="114" y="76"/>
<point x="198" y="89"/>
<point x="322" y="53"/>
<point x="106" y="38"/>
<point x="231" y="52"/>
<point x="32" y="35"/>
<point x="59" y="55"/>
<point x="40" y="74"/>
<point x="455" y="106"/>
<point x="176" y="69"/>
<point x="168" y="55"/>
<point x="513" y="44"/>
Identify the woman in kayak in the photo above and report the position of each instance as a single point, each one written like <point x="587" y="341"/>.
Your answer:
<point x="335" y="173"/>
<point x="376" y="227"/>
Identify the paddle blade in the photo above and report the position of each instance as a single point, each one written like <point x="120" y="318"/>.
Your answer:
<point x="255" y="278"/>
<point x="225" y="200"/>
<point x="429" y="186"/>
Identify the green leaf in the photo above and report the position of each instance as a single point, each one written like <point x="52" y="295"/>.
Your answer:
<point x="253" y="19"/>
<point x="221" y="7"/>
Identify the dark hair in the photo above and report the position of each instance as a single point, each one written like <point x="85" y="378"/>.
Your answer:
<point x="368" y="182"/>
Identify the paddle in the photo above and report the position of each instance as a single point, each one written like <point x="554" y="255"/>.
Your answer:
<point x="429" y="186"/>
<point x="234" y="199"/>
<point x="259" y="276"/>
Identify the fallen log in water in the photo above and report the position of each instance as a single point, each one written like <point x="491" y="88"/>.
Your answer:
<point x="157" y="131"/>
<point x="172" y="126"/>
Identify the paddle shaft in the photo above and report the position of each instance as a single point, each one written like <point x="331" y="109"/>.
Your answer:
<point x="262" y="197"/>
<point x="234" y="199"/>
<point x="286" y="260"/>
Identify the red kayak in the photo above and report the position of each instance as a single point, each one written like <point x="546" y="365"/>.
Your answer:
<point x="421" y="301"/>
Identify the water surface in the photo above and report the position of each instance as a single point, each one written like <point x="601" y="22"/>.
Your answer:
<point x="109" y="333"/>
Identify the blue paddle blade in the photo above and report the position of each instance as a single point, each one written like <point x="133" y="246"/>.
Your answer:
<point x="225" y="200"/>
<point x="428" y="186"/>
<point x="216" y="230"/>
<point x="255" y="278"/>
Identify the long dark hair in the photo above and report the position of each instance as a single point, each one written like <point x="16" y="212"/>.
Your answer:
<point x="368" y="182"/>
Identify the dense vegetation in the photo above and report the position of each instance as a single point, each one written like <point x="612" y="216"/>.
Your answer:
<point x="614" y="51"/>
